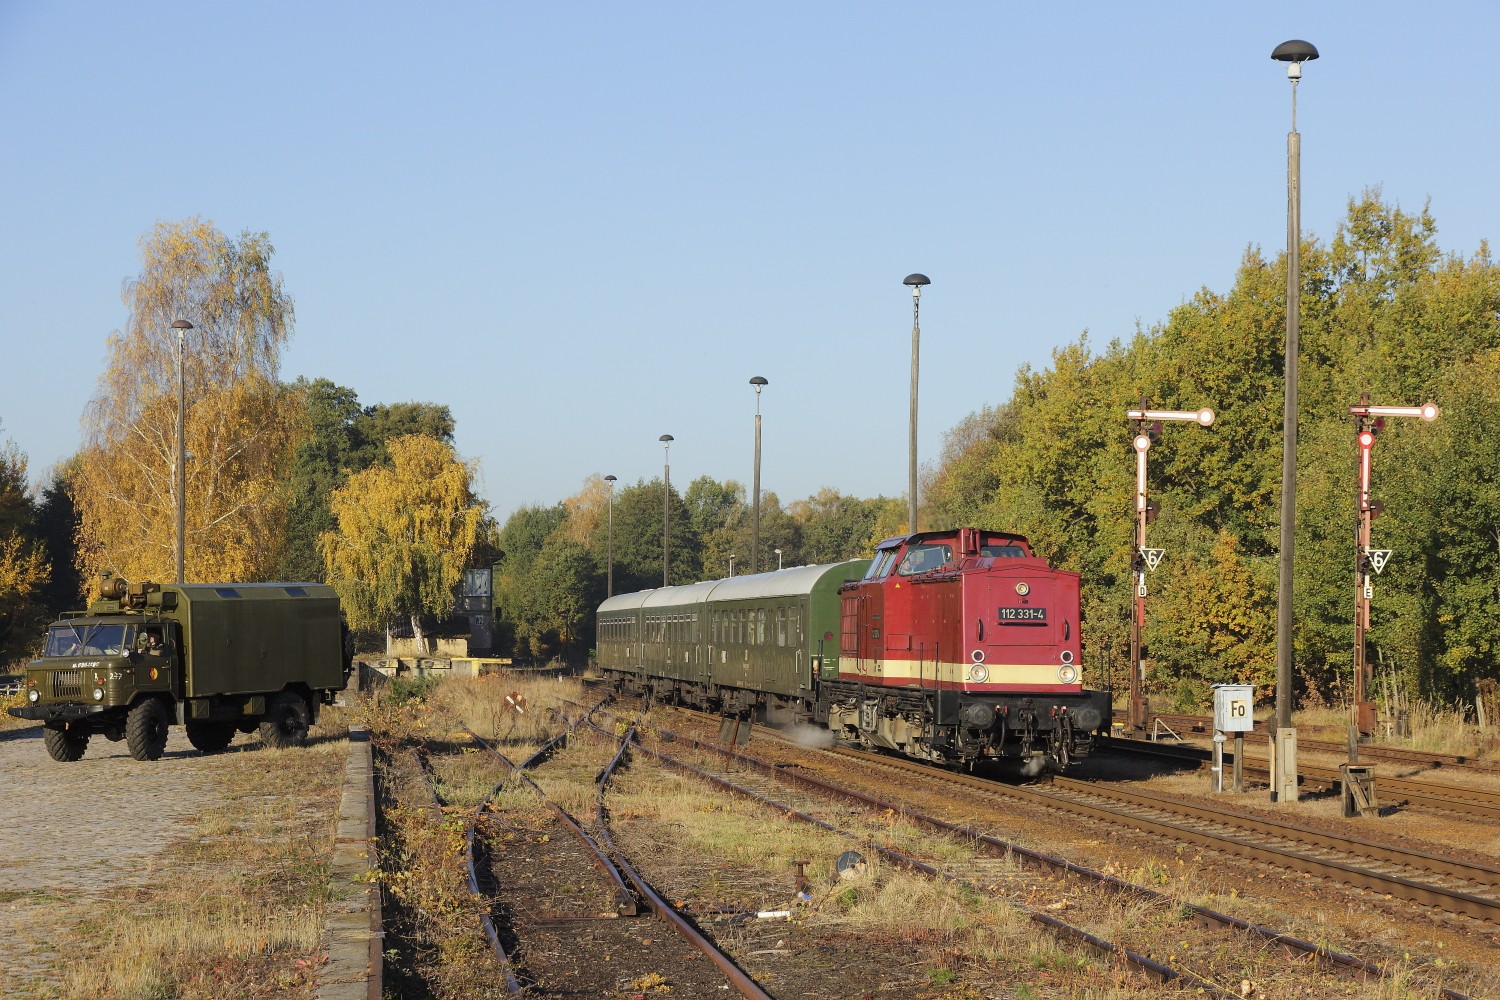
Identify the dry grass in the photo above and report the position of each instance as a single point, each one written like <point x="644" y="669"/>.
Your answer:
<point x="957" y="936"/>
<point x="8" y="721"/>
<point x="236" y="907"/>
<point x="435" y="946"/>
<point x="507" y="708"/>
<point x="1448" y="729"/>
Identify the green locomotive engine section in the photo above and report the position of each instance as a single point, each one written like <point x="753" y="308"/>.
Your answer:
<point x="214" y="658"/>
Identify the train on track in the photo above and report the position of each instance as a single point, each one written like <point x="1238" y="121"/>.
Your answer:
<point x="948" y="646"/>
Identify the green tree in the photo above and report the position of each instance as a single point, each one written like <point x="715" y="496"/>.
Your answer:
<point x="341" y="438"/>
<point x="638" y="531"/>
<point x="1383" y="312"/>
<point x="405" y="535"/>
<point x="57" y="530"/>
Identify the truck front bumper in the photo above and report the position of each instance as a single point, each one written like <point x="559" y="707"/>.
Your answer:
<point x="65" y="712"/>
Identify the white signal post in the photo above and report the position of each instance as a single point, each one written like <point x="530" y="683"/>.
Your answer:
<point x="1143" y="559"/>
<point x="1368" y="421"/>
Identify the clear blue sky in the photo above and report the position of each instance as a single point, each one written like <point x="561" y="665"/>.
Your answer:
<point x="583" y="225"/>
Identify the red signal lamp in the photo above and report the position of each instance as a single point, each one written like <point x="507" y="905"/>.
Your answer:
<point x="1366" y="439"/>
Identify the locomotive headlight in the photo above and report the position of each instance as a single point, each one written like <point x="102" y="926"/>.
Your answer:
<point x="33" y="696"/>
<point x="1068" y="674"/>
<point x="98" y="694"/>
<point x="978" y="674"/>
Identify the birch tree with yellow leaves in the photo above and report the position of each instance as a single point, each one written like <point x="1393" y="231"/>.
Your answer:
<point x="405" y="535"/>
<point x="241" y="423"/>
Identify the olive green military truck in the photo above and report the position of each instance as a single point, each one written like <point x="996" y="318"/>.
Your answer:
<point x="213" y="658"/>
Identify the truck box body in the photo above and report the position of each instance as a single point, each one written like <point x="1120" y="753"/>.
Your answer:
<point x="248" y="638"/>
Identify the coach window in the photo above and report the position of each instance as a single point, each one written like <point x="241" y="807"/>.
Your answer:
<point x="781" y="626"/>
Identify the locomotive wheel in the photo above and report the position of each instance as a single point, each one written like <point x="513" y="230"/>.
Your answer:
<point x="64" y="744"/>
<point x="146" y="729"/>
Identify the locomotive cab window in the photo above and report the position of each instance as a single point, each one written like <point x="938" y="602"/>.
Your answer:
<point x="1001" y="549"/>
<point x="925" y="558"/>
<point x="880" y="568"/>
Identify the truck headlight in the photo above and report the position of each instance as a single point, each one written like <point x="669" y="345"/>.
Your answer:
<point x="33" y="696"/>
<point x="98" y="694"/>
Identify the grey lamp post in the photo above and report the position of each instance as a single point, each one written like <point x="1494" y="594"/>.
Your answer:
<point x="916" y="281"/>
<point x="609" y="542"/>
<point x="759" y="383"/>
<point x="182" y="326"/>
<point x="666" y="500"/>
<point x="1284" y="779"/>
<point x="778" y="560"/>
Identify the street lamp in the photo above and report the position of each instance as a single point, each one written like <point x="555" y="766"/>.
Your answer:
<point x="609" y="545"/>
<point x="182" y="326"/>
<point x="778" y="560"/>
<point x="916" y="281"/>
<point x="759" y="383"/>
<point x="666" y="500"/>
<point x="1147" y="429"/>
<point x="1368" y="422"/>
<point x="1284" y="750"/>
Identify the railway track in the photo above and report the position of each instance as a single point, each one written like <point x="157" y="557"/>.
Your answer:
<point x="1448" y="884"/>
<point x="550" y="947"/>
<point x="1203" y="725"/>
<point x="1313" y="955"/>
<point x="1470" y="802"/>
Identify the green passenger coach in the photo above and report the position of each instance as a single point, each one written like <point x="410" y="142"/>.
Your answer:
<point x="748" y="644"/>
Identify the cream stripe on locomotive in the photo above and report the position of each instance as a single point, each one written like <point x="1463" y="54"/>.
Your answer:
<point x="987" y="676"/>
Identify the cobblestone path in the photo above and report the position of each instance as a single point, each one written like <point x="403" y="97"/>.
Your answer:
<point x="71" y="834"/>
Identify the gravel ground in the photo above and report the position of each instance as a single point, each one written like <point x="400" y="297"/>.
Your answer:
<point x="71" y="834"/>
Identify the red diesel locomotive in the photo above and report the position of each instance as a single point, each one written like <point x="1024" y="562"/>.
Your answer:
<point x="960" y="645"/>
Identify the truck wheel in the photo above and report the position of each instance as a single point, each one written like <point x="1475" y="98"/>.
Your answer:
<point x="285" y="722"/>
<point x="210" y="737"/>
<point x="64" y="744"/>
<point x="146" y="729"/>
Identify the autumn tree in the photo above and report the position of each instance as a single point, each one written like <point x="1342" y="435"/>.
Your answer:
<point x="241" y="423"/>
<point x="23" y="565"/>
<point x="406" y="533"/>
<point x="341" y="438"/>
<point x="836" y="527"/>
<point x="1384" y="312"/>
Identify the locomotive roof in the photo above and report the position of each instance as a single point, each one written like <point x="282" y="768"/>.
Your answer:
<point x="789" y="582"/>
<point x="924" y="536"/>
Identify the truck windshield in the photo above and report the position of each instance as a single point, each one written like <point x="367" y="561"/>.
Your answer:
<point x="86" y="640"/>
